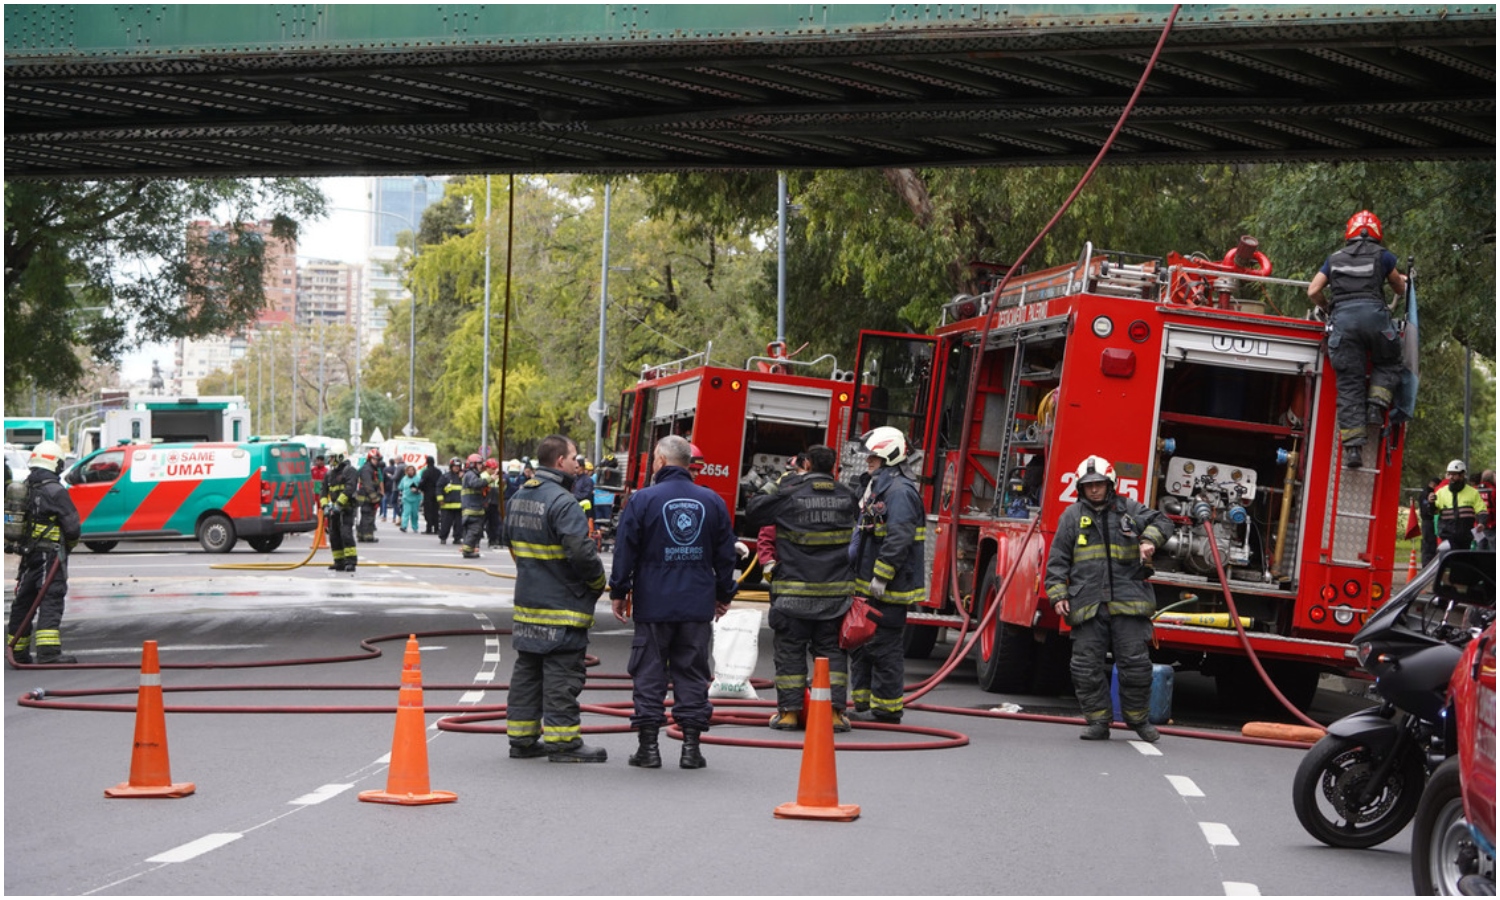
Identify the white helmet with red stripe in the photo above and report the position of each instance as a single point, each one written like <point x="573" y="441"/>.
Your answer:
<point x="1095" y="468"/>
<point x="887" y="443"/>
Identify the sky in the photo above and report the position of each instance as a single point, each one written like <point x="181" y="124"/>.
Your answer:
<point x="340" y="237"/>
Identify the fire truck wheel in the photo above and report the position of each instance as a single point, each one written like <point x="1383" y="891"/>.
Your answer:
<point x="216" y="534"/>
<point x="1008" y="669"/>
<point x="917" y="641"/>
<point x="101" y="546"/>
<point x="266" y="544"/>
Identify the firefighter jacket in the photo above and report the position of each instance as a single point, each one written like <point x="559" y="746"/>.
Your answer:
<point x="558" y="573"/>
<point x="1358" y="271"/>
<point x="1096" y="557"/>
<point x="472" y="492"/>
<point x="583" y="490"/>
<point x="1457" y="513"/>
<point x="450" y="490"/>
<point x="368" y="488"/>
<point x="340" y="485"/>
<point x="814" y="518"/>
<point x="674" y="551"/>
<point x="892" y="539"/>
<point x="52" y="518"/>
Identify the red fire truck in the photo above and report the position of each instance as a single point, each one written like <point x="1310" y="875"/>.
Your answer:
<point x="1212" y="406"/>
<point x="742" y="420"/>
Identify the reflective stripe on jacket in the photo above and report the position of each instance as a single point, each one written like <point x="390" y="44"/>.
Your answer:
<point x="813" y="517"/>
<point x="892" y="546"/>
<point x="558" y="572"/>
<point x="1096" y="557"/>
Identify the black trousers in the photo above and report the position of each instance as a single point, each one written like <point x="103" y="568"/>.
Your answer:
<point x="34" y="568"/>
<point x="448" y="525"/>
<point x="877" y="671"/>
<point x="340" y="527"/>
<point x="543" y="699"/>
<point x="492" y="523"/>
<point x="473" y="526"/>
<point x="675" y="653"/>
<point x="792" y="640"/>
<point x="1128" y="638"/>
<point x="367" y="519"/>
<point x="430" y="513"/>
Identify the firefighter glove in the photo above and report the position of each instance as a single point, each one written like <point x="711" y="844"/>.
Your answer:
<point x="877" y="588"/>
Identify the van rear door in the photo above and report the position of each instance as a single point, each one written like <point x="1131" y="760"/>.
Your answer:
<point x="286" y="479"/>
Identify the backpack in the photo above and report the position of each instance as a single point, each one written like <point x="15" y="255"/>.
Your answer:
<point x="17" y="516"/>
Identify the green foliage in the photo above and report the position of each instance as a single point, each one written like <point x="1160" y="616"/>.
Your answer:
<point x="93" y="268"/>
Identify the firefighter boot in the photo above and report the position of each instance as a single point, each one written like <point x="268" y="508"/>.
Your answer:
<point x="841" y="722"/>
<point x="533" y="750"/>
<point x="53" y="656"/>
<point x="786" y="720"/>
<point x="692" y="753"/>
<point x="1096" y="730"/>
<point x="1146" y="732"/>
<point x="578" y="753"/>
<point x="1353" y="457"/>
<point x="648" y="756"/>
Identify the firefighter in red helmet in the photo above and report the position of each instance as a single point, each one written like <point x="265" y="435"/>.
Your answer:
<point x="1096" y="581"/>
<point x="1360" y="331"/>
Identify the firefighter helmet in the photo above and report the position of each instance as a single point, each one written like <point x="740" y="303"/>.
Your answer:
<point x="1363" y="223"/>
<point x="491" y="464"/>
<point x="475" y="459"/>
<point x="46" y="454"/>
<point x="696" y="463"/>
<point x="513" y="466"/>
<point x="1457" y="467"/>
<point x="887" y="443"/>
<point x="455" y="462"/>
<point x="335" y="459"/>
<point x="1095" y="468"/>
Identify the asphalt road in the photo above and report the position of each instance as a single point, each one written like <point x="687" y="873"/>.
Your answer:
<point x="1023" y="808"/>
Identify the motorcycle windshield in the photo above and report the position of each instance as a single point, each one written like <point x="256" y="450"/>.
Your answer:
<point x="1452" y="599"/>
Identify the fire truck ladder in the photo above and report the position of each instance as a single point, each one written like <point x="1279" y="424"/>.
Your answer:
<point x="1347" y="530"/>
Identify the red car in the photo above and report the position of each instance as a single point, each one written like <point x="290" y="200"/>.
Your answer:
<point x="1453" y="835"/>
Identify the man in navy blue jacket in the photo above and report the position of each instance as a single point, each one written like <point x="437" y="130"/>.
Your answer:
<point x="674" y="574"/>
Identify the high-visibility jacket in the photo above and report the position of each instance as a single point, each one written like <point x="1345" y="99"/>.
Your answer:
<point x="53" y="517"/>
<point x="1457" y="513"/>
<point x="450" y="490"/>
<point x="892" y="539"/>
<point x="369" y="483"/>
<point x="558" y="572"/>
<point x="1096" y="557"/>
<point x="814" y="518"/>
<point x="340" y="485"/>
<point x="472" y="492"/>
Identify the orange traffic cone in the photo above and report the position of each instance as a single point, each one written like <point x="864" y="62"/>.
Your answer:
<point x="1411" y="565"/>
<point x="406" y="784"/>
<point x="150" y="770"/>
<point x="818" y="786"/>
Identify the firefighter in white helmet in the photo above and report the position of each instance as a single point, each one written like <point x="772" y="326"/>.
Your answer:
<point x="888" y="569"/>
<point x="1460" y="508"/>
<point x="1101" y="556"/>
<point x="51" y="530"/>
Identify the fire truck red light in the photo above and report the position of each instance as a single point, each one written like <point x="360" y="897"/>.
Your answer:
<point x="716" y="383"/>
<point x="1117" y="363"/>
<point x="1351" y="588"/>
<point x="1139" y="331"/>
<point x="1317" y="614"/>
<point x="1328" y="593"/>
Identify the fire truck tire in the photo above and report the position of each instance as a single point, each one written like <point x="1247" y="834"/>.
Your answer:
<point x="101" y="546"/>
<point x="216" y="534"/>
<point x="267" y="544"/>
<point x="917" y="641"/>
<point x="1009" y="667"/>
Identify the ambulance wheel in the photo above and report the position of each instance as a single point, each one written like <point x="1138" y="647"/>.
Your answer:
<point x="216" y="534"/>
<point x="266" y="544"/>
<point x="917" y="641"/>
<point x="1008" y="669"/>
<point x="101" y="546"/>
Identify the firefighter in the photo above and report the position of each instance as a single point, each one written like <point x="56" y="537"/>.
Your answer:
<point x="673" y="573"/>
<point x="472" y="493"/>
<point x="1460" y="508"/>
<point x="583" y="489"/>
<point x="559" y="578"/>
<point x="369" y="494"/>
<point x="812" y="518"/>
<point x="1361" y="334"/>
<point x="492" y="492"/>
<point x="339" y="509"/>
<point x="450" y="501"/>
<point x="430" y="514"/>
<point x="51" y="531"/>
<point x="888" y="569"/>
<point x="1096" y="571"/>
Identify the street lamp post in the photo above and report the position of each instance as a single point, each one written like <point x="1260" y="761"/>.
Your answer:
<point x="597" y="413"/>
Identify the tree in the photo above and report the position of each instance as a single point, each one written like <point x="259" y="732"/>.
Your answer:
<point x="104" y="266"/>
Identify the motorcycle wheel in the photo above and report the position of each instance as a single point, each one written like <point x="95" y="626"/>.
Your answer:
<point x="1333" y="773"/>
<point x="1442" y="849"/>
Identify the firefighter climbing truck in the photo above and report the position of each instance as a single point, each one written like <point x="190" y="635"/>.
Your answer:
<point x="746" y="422"/>
<point x="1213" y="407"/>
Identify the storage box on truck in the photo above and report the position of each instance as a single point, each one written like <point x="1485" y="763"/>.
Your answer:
<point x="217" y="493"/>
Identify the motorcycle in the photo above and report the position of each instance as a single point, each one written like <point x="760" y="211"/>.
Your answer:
<point x="1360" y="784"/>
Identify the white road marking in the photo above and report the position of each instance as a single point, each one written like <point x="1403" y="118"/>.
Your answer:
<point x="1240" y="889"/>
<point x="326" y="792"/>
<point x="1218" y="834"/>
<point x="471" y="697"/>
<point x="1145" y="749"/>
<point x="1185" y="786"/>
<point x="195" y="848"/>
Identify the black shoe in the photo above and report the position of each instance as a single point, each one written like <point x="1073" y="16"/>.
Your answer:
<point x="1146" y="732"/>
<point x="1353" y="457"/>
<point x="52" y="656"/>
<point x="533" y="750"/>
<point x="887" y="718"/>
<point x="336" y="567"/>
<point x="470" y="554"/>
<point x="442" y="540"/>
<point x="349" y="569"/>
<point x="648" y="755"/>
<point x="579" y="753"/>
<point x="1095" y="731"/>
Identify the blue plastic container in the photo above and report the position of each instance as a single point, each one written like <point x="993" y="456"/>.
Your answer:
<point x="1160" y="712"/>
